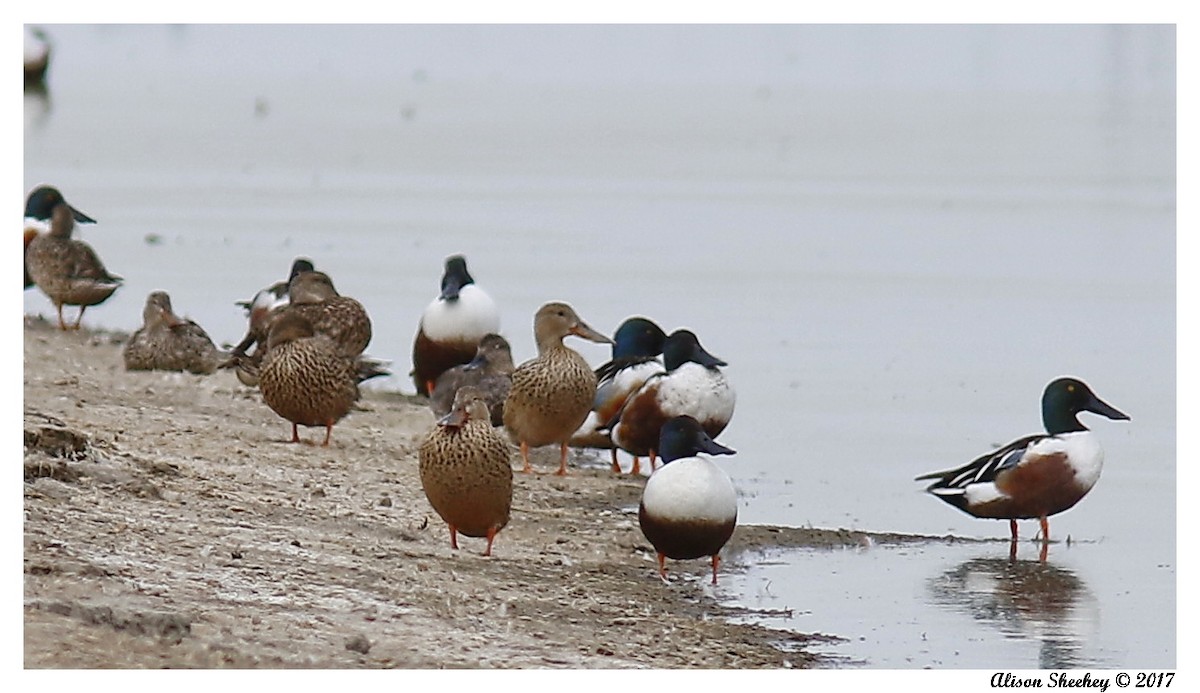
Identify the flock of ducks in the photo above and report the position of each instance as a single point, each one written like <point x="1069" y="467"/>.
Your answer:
<point x="660" y="396"/>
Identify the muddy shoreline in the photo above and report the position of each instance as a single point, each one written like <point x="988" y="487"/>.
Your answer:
<point x="168" y="523"/>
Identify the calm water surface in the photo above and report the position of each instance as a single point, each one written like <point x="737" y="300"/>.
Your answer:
<point x="896" y="236"/>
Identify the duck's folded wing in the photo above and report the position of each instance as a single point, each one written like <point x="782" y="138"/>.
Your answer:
<point x="984" y="468"/>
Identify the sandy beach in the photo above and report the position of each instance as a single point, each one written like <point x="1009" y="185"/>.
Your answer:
<point x="169" y="523"/>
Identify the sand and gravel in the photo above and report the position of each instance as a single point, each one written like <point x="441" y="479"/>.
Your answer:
<point x="169" y="523"/>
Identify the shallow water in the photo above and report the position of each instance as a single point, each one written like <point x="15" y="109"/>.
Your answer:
<point x="896" y="236"/>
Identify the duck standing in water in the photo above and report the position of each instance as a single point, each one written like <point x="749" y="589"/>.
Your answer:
<point x="68" y="271"/>
<point x="452" y="325"/>
<point x="304" y="377"/>
<point x="637" y="344"/>
<point x="552" y="393"/>
<point x="167" y="342"/>
<point x="689" y="505"/>
<point x="490" y="372"/>
<point x="692" y="385"/>
<point x="1036" y="476"/>
<point x="465" y="470"/>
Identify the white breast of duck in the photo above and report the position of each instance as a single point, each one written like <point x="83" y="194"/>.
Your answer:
<point x="701" y="392"/>
<point x="468" y="318"/>
<point x="688" y="509"/>
<point x="1080" y="449"/>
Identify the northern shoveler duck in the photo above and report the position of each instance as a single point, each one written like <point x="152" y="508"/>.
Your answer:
<point x="66" y="270"/>
<point x="551" y="394"/>
<point x="452" y="325"/>
<point x="341" y="318"/>
<point x="637" y="344"/>
<point x="167" y="342"/>
<point x="39" y="207"/>
<point x="490" y="372"/>
<point x="37" y="56"/>
<point x="689" y="505"/>
<point x="1036" y="476"/>
<point x="465" y="470"/>
<point x="265" y="305"/>
<point x="304" y="377"/>
<point x="692" y="384"/>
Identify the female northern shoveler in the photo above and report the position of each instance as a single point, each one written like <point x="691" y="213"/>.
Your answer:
<point x="167" y="342"/>
<point x="692" y="384"/>
<point x="465" y="470"/>
<point x="66" y="270"/>
<point x="552" y="393"/>
<point x="341" y="318"/>
<point x="689" y="506"/>
<point x="1036" y="476"/>
<point x="264" y="306"/>
<point x="39" y="207"/>
<point x="304" y="378"/>
<point x="636" y="347"/>
<point x="490" y="372"/>
<point x="452" y="325"/>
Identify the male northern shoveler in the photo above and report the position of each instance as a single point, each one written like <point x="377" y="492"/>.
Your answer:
<point x="167" y="342"/>
<point x="689" y="506"/>
<point x="66" y="270"/>
<point x="452" y="325"/>
<point x="465" y="470"/>
<point x="692" y="384"/>
<point x="490" y="372"/>
<point x="552" y="393"/>
<point x="1036" y="476"/>
<point x="304" y="378"/>
<point x="637" y="344"/>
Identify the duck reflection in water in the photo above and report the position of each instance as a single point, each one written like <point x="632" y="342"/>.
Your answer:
<point x="1026" y="600"/>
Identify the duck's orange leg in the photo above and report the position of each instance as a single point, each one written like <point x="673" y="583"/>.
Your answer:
<point x="79" y="319"/>
<point x="454" y="537"/>
<point x="491" y="537"/>
<point x="637" y="466"/>
<point x="525" y="456"/>
<point x="62" y="325"/>
<point x="1012" y="527"/>
<point x="653" y="457"/>
<point x="562" y="461"/>
<point x="662" y="566"/>
<point x="616" y="466"/>
<point x="429" y="388"/>
<point x="1045" y="529"/>
<point x="716" y="561"/>
<point x="295" y="433"/>
<point x="328" y="432"/>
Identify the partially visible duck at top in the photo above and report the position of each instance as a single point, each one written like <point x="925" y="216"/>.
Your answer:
<point x="452" y="325"/>
<point x="637" y="344"/>
<point x="1038" y="475"/>
<point x="490" y="372"/>
<point x="692" y="384"/>
<point x="37" y="57"/>
<point x="68" y="271"/>
<point x="689" y="506"/>
<point x="265" y="304"/>
<point x="167" y="342"/>
<point x="39" y="207"/>
<point x="552" y="393"/>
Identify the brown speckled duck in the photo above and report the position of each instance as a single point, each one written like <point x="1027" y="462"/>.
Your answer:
<point x="341" y="318"/>
<point x="490" y="372"/>
<point x="167" y="342"/>
<point x="303" y="377"/>
<point x="66" y="270"/>
<point x="465" y="470"/>
<point x="551" y="394"/>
